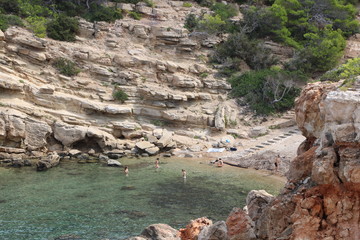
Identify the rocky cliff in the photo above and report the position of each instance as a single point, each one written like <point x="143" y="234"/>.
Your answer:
<point x="321" y="199"/>
<point x="155" y="61"/>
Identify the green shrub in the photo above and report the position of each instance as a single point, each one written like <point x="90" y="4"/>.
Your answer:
<point x="267" y="91"/>
<point x="34" y="8"/>
<point x="63" y="28"/>
<point x="309" y="16"/>
<point x="187" y="4"/>
<point x="71" y="9"/>
<point x="149" y="3"/>
<point x="211" y="24"/>
<point x="100" y="13"/>
<point x="204" y="75"/>
<point x="120" y="95"/>
<point x="289" y="21"/>
<point x="9" y="6"/>
<point x="347" y="71"/>
<point x="9" y="20"/>
<point x="322" y="52"/>
<point x="205" y="3"/>
<point x="225" y="11"/>
<point x="66" y="67"/>
<point x="261" y="22"/>
<point x="191" y="22"/>
<point x="239" y="46"/>
<point x="135" y="15"/>
<point x="37" y="25"/>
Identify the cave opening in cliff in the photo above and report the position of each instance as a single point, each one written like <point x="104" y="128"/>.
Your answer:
<point x="86" y="144"/>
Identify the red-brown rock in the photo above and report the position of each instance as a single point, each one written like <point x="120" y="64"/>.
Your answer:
<point x="193" y="229"/>
<point x="239" y="225"/>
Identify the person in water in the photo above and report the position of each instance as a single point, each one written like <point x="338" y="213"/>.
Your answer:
<point x="220" y="162"/>
<point x="157" y="161"/>
<point x="183" y="173"/>
<point x="126" y="170"/>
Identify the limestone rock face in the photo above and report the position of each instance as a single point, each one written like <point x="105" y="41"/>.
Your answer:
<point x="309" y="115"/>
<point x="2" y="36"/>
<point x="144" y="145"/>
<point x="36" y="135"/>
<point x="69" y="134"/>
<point x="155" y="61"/>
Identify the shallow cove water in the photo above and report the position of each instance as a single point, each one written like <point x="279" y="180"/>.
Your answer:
<point x="94" y="201"/>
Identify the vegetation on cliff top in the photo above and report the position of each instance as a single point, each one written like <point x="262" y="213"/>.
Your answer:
<point x="45" y="17"/>
<point x="347" y="72"/>
<point x="316" y="30"/>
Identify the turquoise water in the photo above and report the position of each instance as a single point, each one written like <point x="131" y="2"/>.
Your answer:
<point x="95" y="202"/>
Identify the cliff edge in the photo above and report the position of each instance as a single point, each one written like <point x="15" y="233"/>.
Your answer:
<point x="321" y="199"/>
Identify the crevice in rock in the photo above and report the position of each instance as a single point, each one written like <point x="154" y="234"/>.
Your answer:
<point x="86" y="144"/>
<point x="337" y="163"/>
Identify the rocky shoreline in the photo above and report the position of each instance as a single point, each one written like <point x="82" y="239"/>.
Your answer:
<point x="321" y="197"/>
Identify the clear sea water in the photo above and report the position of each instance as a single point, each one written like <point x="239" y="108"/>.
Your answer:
<point x="95" y="202"/>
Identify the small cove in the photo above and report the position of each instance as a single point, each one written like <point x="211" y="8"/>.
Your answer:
<point x="94" y="201"/>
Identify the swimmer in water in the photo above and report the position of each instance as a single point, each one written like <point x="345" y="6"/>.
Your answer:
<point x="183" y="173"/>
<point x="220" y="163"/>
<point x="126" y="170"/>
<point x="157" y="161"/>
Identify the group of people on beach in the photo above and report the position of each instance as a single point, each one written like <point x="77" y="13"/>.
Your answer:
<point x="219" y="163"/>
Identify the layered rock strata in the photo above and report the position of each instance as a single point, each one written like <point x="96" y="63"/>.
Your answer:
<point x="155" y="61"/>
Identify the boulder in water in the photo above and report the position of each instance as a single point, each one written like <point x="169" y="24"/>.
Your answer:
<point x="113" y="163"/>
<point x="216" y="231"/>
<point x="161" y="232"/>
<point x="47" y="162"/>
